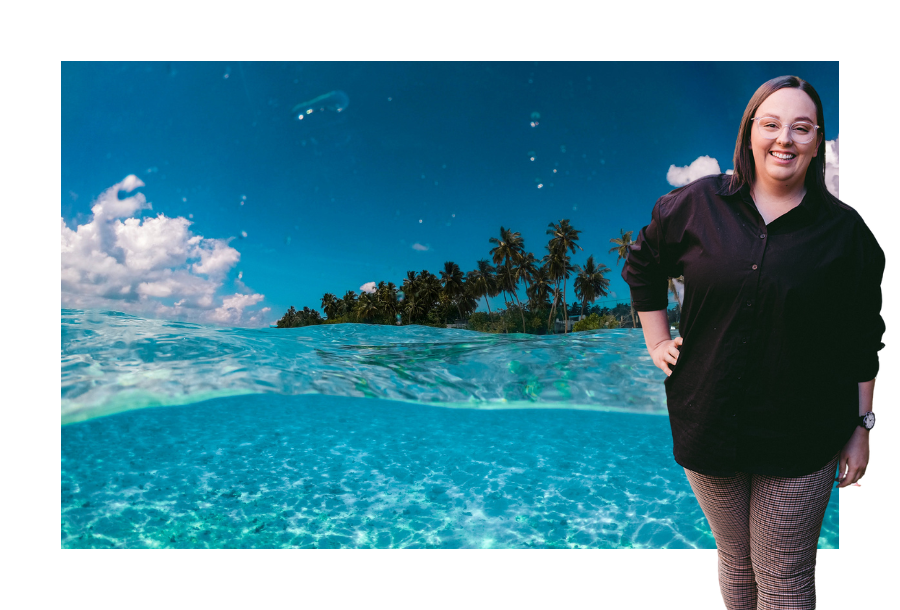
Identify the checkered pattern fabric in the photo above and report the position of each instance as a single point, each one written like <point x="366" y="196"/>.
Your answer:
<point x="767" y="530"/>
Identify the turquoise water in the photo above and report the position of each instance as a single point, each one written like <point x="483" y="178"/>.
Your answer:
<point x="357" y="436"/>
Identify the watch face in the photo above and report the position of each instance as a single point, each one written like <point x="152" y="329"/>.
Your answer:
<point x="869" y="420"/>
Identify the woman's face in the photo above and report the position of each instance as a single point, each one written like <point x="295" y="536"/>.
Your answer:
<point x="782" y="161"/>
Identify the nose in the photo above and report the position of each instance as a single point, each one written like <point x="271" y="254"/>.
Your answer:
<point x="784" y="136"/>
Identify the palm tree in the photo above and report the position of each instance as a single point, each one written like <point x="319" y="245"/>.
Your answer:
<point x="509" y="252"/>
<point x="539" y="289"/>
<point x="484" y="283"/>
<point x="366" y="306"/>
<point x="564" y="237"/>
<point x="387" y="300"/>
<point x="452" y="279"/>
<point x="506" y="281"/>
<point x="410" y="288"/>
<point x="528" y="266"/>
<point x="558" y="267"/>
<point x="553" y="264"/>
<point x="348" y="303"/>
<point x="623" y="247"/>
<point x="330" y="305"/>
<point x="556" y="293"/>
<point x="413" y="307"/>
<point x="429" y="290"/>
<point x="468" y="299"/>
<point x="590" y="282"/>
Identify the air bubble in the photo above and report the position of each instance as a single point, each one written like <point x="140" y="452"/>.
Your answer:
<point x="333" y="101"/>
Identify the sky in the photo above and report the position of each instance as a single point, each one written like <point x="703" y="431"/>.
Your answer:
<point x="192" y="190"/>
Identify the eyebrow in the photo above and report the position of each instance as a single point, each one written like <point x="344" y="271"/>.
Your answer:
<point x="799" y="118"/>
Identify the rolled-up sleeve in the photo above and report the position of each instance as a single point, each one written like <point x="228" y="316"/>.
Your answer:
<point x="648" y="266"/>
<point x="866" y="338"/>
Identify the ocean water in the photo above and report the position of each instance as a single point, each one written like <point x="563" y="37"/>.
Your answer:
<point x="357" y="436"/>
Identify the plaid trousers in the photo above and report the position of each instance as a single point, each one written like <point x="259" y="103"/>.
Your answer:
<point x="767" y="531"/>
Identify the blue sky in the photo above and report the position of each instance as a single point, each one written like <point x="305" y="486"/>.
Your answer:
<point x="426" y="162"/>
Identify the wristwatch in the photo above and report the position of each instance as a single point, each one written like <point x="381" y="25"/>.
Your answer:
<point x="867" y="421"/>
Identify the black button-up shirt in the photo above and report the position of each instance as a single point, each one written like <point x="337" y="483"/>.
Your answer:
<point x="779" y="321"/>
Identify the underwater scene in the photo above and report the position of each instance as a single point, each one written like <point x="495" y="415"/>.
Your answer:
<point x="179" y="435"/>
<point x="378" y="304"/>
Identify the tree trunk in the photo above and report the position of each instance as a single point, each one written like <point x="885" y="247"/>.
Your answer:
<point x="521" y="311"/>
<point x="553" y="309"/>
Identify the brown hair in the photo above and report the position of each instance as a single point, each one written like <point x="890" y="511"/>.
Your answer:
<point x="744" y="165"/>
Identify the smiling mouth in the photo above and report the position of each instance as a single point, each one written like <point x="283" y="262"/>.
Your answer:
<point x="782" y="156"/>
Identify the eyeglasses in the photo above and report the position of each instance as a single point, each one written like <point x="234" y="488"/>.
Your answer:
<point x="801" y="131"/>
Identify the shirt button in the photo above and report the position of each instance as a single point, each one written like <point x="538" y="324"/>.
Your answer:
<point x="762" y="235"/>
<point x="744" y="341"/>
<point x="749" y="304"/>
<point x="754" y="267"/>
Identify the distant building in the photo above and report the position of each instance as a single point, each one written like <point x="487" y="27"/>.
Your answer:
<point x="560" y="324"/>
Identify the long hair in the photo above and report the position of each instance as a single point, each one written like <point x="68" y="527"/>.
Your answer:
<point x="744" y="165"/>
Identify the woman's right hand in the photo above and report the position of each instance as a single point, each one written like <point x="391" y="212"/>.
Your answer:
<point x="666" y="353"/>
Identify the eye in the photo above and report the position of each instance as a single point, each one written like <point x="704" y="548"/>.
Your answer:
<point x="803" y="128"/>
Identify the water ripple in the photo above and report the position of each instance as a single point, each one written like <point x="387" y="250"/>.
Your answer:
<point x="112" y="362"/>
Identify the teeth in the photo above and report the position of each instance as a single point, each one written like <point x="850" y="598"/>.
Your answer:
<point x="783" y="156"/>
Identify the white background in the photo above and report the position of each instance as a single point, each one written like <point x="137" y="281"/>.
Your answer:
<point x="36" y="39"/>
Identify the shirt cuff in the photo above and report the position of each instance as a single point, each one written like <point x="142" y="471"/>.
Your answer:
<point x="866" y="368"/>
<point x="649" y="298"/>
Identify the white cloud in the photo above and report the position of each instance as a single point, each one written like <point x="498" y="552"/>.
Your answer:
<point x="155" y="243"/>
<point x="216" y="257"/>
<point x="150" y="266"/>
<point x="420" y="247"/>
<point x="368" y="287"/>
<point x="831" y="166"/>
<point x="702" y="166"/>
<point x="232" y="308"/>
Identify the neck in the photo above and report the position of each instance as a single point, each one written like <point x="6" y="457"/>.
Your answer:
<point x="778" y="191"/>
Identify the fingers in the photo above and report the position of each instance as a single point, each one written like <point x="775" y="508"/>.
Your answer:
<point x="667" y="359"/>
<point x="842" y="468"/>
<point x="851" y="477"/>
<point x="669" y="356"/>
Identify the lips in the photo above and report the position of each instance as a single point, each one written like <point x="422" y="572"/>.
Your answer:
<point x="782" y="155"/>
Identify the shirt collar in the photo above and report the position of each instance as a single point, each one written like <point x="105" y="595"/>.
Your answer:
<point x="809" y="205"/>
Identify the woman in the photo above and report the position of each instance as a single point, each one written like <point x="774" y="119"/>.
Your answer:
<point x="768" y="391"/>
